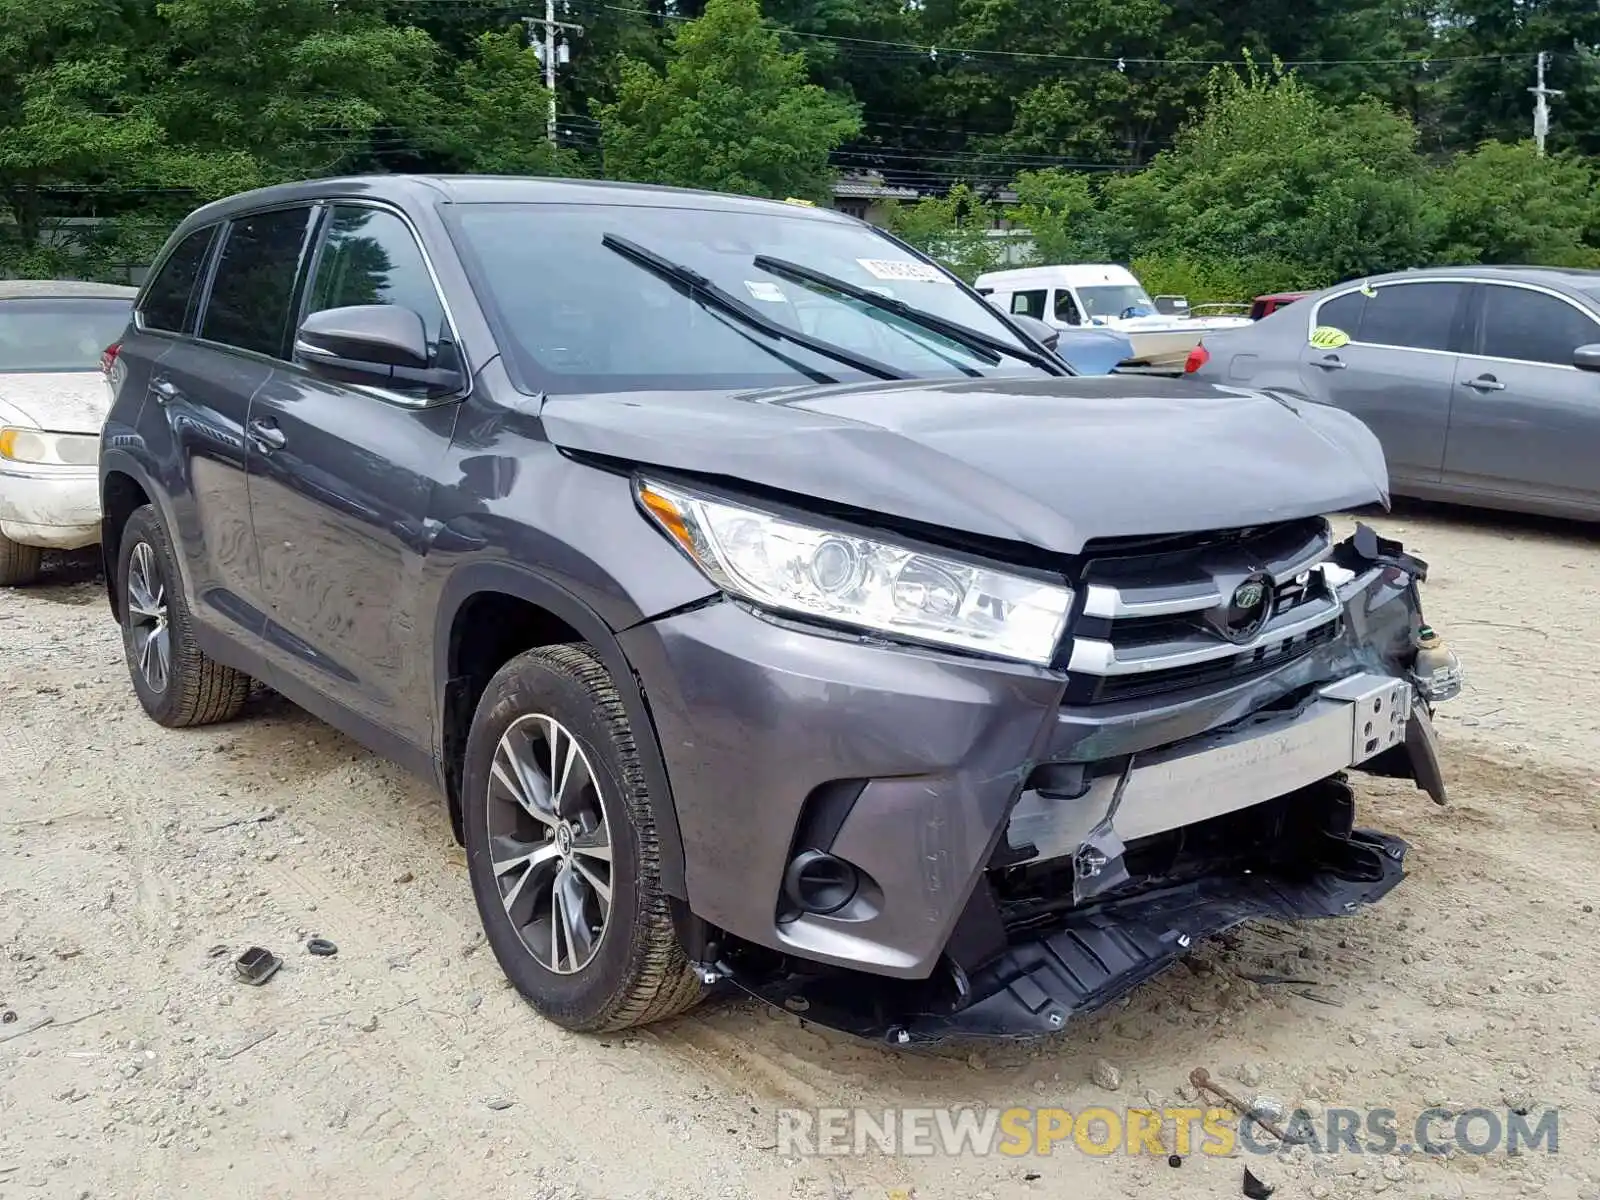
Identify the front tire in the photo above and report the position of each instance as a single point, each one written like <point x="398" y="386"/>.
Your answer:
<point x="19" y="564"/>
<point x="562" y="848"/>
<point x="177" y="685"/>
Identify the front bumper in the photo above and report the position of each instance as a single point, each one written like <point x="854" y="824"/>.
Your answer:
<point x="57" y="508"/>
<point x="928" y="773"/>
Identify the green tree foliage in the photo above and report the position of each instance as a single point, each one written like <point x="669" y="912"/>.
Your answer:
<point x="1057" y="76"/>
<point x="1396" y="141"/>
<point x="1060" y="210"/>
<point x="731" y="112"/>
<point x="283" y="88"/>
<point x="492" y="113"/>
<point x="1486" y="97"/>
<point x="953" y="229"/>
<point x="1503" y="204"/>
<point x="1290" y="190"/>
<point x="65" y="73"/>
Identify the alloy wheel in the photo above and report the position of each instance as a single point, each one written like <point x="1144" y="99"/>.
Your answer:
<point x="549" y="843"/>
<point x="147" y="618"/>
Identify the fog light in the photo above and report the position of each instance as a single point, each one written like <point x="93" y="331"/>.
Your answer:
<point x="820" y="883"/>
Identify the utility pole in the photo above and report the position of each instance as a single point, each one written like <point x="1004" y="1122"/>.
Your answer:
<point x="550" y="53"/>
<point x="1541" y="109"/>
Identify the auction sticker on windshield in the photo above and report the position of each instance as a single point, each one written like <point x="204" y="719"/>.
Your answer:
<point x="897" y="268"/>
<point x="1327" y="337"/>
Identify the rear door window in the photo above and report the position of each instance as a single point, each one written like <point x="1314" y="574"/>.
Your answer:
<point x="1530" y="326"/>
<point x="252" y="292"/>
<point x="1407" y="316"/>
<point x="170" y="298"/>
<point x="1413" y="316"/>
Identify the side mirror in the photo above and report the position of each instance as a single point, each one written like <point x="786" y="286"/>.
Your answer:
<point x="1587" y="358"/>
<point x="1046" y="335"/>
<point x="378" y="344"/>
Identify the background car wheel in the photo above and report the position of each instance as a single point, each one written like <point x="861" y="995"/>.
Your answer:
<point x="177" y="684"/>
<point x="562" y="850"/>
<point x="19" y="564"/>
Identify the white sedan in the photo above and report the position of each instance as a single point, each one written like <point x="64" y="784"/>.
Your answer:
<point x="54" y="339"/>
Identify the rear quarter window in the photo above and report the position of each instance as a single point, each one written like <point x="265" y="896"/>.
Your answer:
<point x="169" y="300"/>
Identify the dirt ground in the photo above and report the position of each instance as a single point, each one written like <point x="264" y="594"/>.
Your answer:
<point x="405" y="1067"/>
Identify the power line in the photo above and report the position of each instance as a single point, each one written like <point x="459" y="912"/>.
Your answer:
<point x="934" y="49"/>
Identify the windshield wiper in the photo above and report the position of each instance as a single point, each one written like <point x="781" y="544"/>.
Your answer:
<point x="985" y="347"/>
<point x="720" y="298"/>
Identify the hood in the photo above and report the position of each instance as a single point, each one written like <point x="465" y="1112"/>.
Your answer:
<point x="62" y="402"/>
<point x="1050" y="462"/>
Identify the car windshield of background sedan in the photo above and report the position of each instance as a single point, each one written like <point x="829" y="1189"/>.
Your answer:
<point x="58" y="334"/>
<point x="575" y="315"/>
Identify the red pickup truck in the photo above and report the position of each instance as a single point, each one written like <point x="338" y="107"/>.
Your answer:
<point x="1267" y="305"/>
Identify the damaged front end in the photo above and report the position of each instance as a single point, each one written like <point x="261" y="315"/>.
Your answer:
<point x="1219" y="689"/>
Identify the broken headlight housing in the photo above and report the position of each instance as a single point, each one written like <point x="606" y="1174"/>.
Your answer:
<point x="787" y="566"/>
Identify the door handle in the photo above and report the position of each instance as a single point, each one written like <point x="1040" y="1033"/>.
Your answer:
<point x="165" y="390"/>
<point x="1485" y="383"/>
<point x="1331" y="362"/>
<point x="267" y="436"/>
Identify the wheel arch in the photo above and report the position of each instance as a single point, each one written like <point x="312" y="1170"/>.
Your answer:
<point x="125" y="487"/>
<point x="456" y="692"/>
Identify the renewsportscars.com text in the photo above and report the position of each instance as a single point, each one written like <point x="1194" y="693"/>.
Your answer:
<point x="1179" y="1130"/>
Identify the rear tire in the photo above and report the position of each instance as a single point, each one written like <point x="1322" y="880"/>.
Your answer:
<point x="554" y="714"/>
<point x="177" y="685"/>
<point x="19" y="564"/>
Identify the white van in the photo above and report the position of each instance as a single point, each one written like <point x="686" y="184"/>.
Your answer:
<point x="1107" y="295"/>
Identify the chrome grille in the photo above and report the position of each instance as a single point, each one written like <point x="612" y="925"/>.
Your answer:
<point x="1161" y="621"/>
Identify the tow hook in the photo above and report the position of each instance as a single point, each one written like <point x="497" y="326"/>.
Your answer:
<point x="711" y="974"/>
<point x="1437" y="672"/>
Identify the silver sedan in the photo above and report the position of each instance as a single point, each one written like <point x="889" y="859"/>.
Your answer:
<point x="1482" y="383"/>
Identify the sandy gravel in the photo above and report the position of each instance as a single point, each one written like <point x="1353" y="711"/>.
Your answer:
<point x="404" y="1067"/>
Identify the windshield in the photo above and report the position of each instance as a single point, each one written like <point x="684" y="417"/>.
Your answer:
<point x="574" y="315"/>
<point x="1116" y="300"/>
<point x="57" y="334"/>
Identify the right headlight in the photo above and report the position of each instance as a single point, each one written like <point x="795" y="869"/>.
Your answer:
<point x="787" y="566"/>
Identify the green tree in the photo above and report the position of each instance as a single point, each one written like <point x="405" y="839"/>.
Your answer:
<point x="286" y="89"/>
<point x="1050" y="80"/>
<point x="1498" y="42"/>
<point x="1059" y="210"/>
<point x="67" y="130"/>
<point x="492" y="112"/>
<point x="952" y="229"/>
<point x="1284" y="188"/>
<point x="731" y="112"/>
<point x="1504" y="204"/>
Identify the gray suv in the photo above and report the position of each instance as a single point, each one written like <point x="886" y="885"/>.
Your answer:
<point x="769" y="608"/>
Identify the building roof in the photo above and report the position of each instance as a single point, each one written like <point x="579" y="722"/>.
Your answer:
<point x="870" y="188"/>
